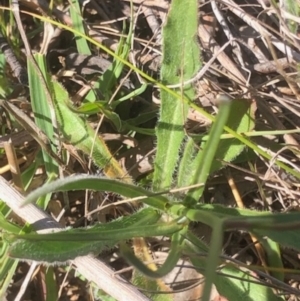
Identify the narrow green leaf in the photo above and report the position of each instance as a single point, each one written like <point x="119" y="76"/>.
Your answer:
<point x="236" y="218"/>
<point x="241" y="120"/>
<point x="130" y="95"/>
<point x="41" y="108"/>
<point x="142" y="118"/>
<point x="80" y="134"/>
<point x="51" y="285"/>
<point x="168" y="265"/>
<point x="204" y="160"/>
<point x="102" y="234"/>
<point x="273" y="254"/>
<point x="213" y="258"/>
<point x="55" y="252"/>
<point x="68" y="244"/>
<point x="280" y="227"/>
<point x="238" y="287"/>
<point x="114" y="118"/>
<point x="90" y="108"/>
<point x="82" y="182"/>
<point x="181" y="60"/>
<point x="110" y="77"/>
<point x="8" y="267"/>
<point x="29" y="173"/>
<point x="8" y="226"/>
<point x="77" y="21"/>
<point x="62" y="250"/>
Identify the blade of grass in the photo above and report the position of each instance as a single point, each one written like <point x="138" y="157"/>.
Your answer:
<point x="51" y="284"/>
<point x="110" y="77"/>
<point x="213" y="259"/>
<point x="204" y="160"/>
<point x="77" y="21"/>
<point x="241" y="119"/>
<point x="274" y="260"/>
<point x="41" y="108"/>
<point x="8" y="267"/>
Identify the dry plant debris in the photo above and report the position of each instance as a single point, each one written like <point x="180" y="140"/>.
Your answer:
<point x="251" y="49"/>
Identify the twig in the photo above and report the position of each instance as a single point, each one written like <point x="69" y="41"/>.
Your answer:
<point x="13" y="163"/>
<point x="18" y="71"/>
<point x="31" y="128"/>
<point x="224" y="60"/>
<point x="271" y="66"/>
<point x="16" y="12"/>
<point x="284" y="48"/>
<point x="26" y="281"/>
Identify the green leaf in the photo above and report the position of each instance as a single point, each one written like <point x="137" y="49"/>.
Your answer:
<point x="90" y="108"/>
<point x="186" y="163"/>
<point x="80" y="134"/>
<point x="241" y="120"/>
<point x="55" y="252"/>
<point x="8" y="267"/>
<point x="167" y="266"/>
<point x="293" y="8"/>
<point x="64" y="245"/>
<point x="181" y="60"/>
<point x="8" y="226"/>
<point x="290" y="239"/>
<point x="236" y="218"/>
<point x="41" y="107"/>
<point x="202" y="164"/>
<point x="109" y="78"/>
<point x="82" y="182"/>
<point x="29" y="173"/>
<point x="241" y="288"/>
<point x="51" y="284"/>
<point x="280" y="227"/>
<point x="77" y="22"/>
<point x="235" y="288"/>
<point x="132" y="94"/>
<point x="273" y="254"/>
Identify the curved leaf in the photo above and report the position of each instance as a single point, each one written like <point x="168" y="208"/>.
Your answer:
<point x="82" y="182"/>
<point x="68" y="244"/>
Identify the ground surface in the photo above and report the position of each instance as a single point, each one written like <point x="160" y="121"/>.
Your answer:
<point x="259" y="64"/>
